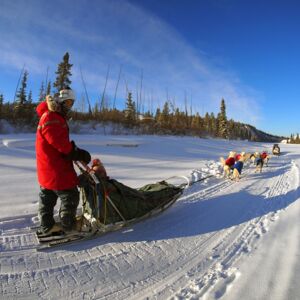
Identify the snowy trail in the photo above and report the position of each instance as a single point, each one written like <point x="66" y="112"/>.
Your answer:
<point x="197" y="249"/>
<point x="277" y="256"/>
<point x="219" y="278"/>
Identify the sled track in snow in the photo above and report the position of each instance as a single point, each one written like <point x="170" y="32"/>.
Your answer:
<point x="215" y="282"/>
<point x="14" y="240"/>
<point x="181" y="268"/>
<point x="215" y="252"/>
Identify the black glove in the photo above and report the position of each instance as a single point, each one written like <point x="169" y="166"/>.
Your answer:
<point x="79" y="154"/>
<point x="83" y="180"/>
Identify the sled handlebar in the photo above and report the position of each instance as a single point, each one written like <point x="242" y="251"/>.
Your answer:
<point x="84" y="168"/>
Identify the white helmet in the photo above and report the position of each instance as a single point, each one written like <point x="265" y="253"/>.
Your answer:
<point x="65" y="94"/>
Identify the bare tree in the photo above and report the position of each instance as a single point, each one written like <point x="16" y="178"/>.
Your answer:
<point x="21" y="74"/>
<point x="85" y="90"/>
<point x="138" y="105"/>
<point x="46" y="81"/>
<point x="103" y="94"/>
<point x="116" y="90"/>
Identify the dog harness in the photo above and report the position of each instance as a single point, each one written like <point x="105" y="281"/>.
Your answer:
<point x="259" y="161"/>
<point x="239" y="166"/>
<point x="229" y="161"/>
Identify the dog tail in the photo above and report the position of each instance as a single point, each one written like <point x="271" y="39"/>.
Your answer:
<point x="222" y="161"/>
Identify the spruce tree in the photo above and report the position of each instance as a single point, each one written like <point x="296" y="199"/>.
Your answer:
<point x="48" y="91"/>
<point x="1" y="104"/>
<point x="130" y="111"/>
<point x="165" y="115"/>
<point x="63" y="73"/>
<point x="196" y="122"/>
<point x="21" y="95"/>
<point x="42" y="92"/>
<point x="157" y="115"/>
<point x="176" y="123"/>
<point x="222" y="121"/>
<point x="213" y="125"/>
<point x="231" y="129"/>
<point x="29" y="100"/>
<point x="207" y="122"/>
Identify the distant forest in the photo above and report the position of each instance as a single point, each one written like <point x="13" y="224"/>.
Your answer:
<point x="294" y="139"/>
<point x="166" y="120"/>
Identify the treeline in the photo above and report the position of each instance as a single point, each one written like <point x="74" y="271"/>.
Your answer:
<point x="169" y="120"/>
<point x="166" y="120"/>
<point x="294" y="139"/>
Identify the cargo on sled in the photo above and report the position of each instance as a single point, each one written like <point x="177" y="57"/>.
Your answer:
<point x="108" y="205"/>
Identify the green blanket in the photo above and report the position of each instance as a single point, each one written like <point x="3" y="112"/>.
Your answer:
<point x="111" y="201"/>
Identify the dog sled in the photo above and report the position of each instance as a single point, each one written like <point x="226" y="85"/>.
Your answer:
<point x="276" y="149"/>
<point x="108" y="205"/>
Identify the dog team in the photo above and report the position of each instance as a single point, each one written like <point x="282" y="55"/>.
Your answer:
<point x="234" y="163"/>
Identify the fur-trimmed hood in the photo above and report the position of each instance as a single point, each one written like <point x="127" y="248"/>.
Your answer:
<point x="48" y="105"/>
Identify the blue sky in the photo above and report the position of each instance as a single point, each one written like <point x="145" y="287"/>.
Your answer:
<point x="247" y="52"/>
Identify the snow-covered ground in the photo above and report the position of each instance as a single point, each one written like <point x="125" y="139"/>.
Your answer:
<point x="220" y="240"/>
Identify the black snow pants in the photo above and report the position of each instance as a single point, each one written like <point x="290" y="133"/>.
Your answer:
<point x="67" y="212"/>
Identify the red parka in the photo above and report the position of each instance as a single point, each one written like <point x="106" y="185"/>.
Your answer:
<point x="52" y="141"/>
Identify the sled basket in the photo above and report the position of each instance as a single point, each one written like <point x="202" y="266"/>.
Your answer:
<point x="107" y="201"/>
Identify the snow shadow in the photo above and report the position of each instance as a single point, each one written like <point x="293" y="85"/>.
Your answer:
<point x="16" y="222"/>
<point x="18" y="168"/>
<point x="187" y="219"/>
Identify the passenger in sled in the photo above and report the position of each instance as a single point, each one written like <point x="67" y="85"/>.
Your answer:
<point x="276" y="149"/>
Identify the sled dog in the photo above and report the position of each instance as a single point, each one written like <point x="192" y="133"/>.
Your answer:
<point x="247" y="156"/>
<point x="252" y="158"/>
<point x="228" y="163"/>
<point x="226" y="168"/>
<point x="259" y="162"/>
<point x="265" y="157"/>
<point x="237" y="168"/>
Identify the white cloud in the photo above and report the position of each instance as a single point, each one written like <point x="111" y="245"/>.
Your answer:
<point x="102" y="33"/>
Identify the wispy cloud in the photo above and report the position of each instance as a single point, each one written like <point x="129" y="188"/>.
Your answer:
<point x="102" y="33"/>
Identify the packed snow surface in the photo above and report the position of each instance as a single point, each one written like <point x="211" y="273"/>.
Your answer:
<point x="221" y="240"/>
